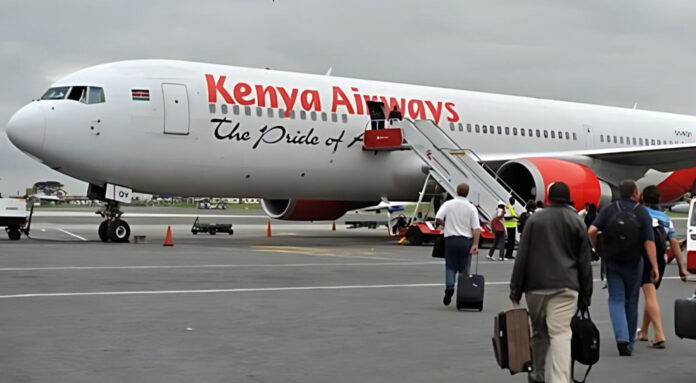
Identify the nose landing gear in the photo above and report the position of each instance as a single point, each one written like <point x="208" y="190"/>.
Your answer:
<point x="113" y="228"/>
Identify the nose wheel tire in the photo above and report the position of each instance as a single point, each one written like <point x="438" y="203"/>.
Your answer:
<point x="119" y="231"/>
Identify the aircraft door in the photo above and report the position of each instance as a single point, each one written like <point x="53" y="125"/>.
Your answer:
<point x="176" y="109"/>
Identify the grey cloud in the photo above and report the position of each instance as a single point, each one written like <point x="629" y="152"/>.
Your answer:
<point x="614" y="53"/>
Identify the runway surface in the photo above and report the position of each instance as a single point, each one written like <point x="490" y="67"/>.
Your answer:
<point x="307" y="305"/>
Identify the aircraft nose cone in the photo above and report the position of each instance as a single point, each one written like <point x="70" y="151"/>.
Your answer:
<point x="27" y="129"/>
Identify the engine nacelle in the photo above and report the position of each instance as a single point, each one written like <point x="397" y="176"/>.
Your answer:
<point x="531" y="177"/>
<point x="309" y="210"/>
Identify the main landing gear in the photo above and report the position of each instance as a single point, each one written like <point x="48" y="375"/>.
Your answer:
<point x="113" y="228"/>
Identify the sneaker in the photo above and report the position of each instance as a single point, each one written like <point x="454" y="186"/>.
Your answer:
<point x="448" y="297"/>
<point x="624" y="348"/>
<point x="501" y="259"/>
<point x="490" y="258"/>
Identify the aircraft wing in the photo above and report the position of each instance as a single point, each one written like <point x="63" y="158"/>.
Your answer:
<point x="662" y="158"/>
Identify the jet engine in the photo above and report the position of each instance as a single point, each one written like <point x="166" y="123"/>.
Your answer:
<point x="531" y="177"/>
<point x="309" y="210"/>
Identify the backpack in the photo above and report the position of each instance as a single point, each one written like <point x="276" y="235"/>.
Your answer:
<point x="584" y="346"/>
<point x="660" y="240"/>
<point x="521" y="221"/>
<point x="622" y="242"/>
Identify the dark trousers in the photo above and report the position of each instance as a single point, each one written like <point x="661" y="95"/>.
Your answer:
<point x="457" y="258"/>
<point x="510" y="245"/>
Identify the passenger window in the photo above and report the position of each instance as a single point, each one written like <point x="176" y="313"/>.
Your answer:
<point x="223" y="108"/>
<point x="621" y="140"/>
<point x="247" y="110"/>
<point x="514" y="131"/>
<point x="601" y="138"/>
<point x="615" y="139"/>
<point x="270" y="112"/>
<point x="303" y="115"/>
<point x="567" y="136"/>
<point x="530" y="132"/>
<point x="281" y="113"/>
<point x="546" y="134"/>
<point x="96" y="95"/>
<point x="344" y="118"/>
<point x="522" y="132"/>
<point x="334" y="117"/>
<point x="640" y="141"/>
<point x="484" y="129"/>
<point x="452" y="126"/>
<point x="259" y="112"/>
<point x="553" y="134"/>
<point x="461" y="127"/>
<point x="500" y="131"/>
<point x="560" y="135"/>
<point x="634" y="140"/>
<point x="78" y="93"/>
<point x="507" y="131"/>
<point x="314" y="116"/>
<point x="575" y="136"/>
<point x="538" y="132"/>
<point x="292" y="114"/>
<point x="323" y="116"/>
<point x="652" y="141"/>
<point x="659" y="142"/>
<point x="57" y="93"/>
<point x="477" y="128"/>
<point x="235" y="109"/>
<point x="468" y="128"/>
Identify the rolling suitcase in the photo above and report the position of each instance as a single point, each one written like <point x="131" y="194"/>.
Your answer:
<point x="470" y="289"/>
<point x="511" y="341"/>
<point x="685" y="318"/>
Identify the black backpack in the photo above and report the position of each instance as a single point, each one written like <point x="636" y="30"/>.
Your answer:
<point x="584" y="346"/>
<point x="622" y="241"/>
<point x="660" y="240"/>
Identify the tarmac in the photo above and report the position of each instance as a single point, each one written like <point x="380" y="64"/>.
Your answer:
<point x="307" y="305"/>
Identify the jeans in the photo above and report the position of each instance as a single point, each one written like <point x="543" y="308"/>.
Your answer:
<point x="624" y="282"/>
<point x="550" y="315"/>
<point x="457" y="258"/>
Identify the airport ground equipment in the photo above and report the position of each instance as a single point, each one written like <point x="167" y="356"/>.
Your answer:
<point x="14" y="218"/>
<point x="447" y="163"/>
<point x="211" y="228"/>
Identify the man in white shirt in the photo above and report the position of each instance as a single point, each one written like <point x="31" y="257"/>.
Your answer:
<point x="462" y="230"/>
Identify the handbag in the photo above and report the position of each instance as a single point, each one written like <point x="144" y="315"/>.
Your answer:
<point x="439" y="247"/>
<point x="585" y="342"/>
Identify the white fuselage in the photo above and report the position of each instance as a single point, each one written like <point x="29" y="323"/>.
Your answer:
<point x="315" y="152"/>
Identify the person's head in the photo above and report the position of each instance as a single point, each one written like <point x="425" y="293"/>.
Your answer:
<point x="587" y="206"/>
<point x="559" y="193"/>
<point x="462" y="190"/>
<point x="629" y="190"/>
<point x="591" y="207"/>
<point x="540" y="204"/>
<point x="511" y="200"/>
<point x="531" y="205"/>
<point x="651" y="195"/>
<point x="396" y="109"/>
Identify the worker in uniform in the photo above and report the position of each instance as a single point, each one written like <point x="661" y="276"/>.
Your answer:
<point x="511" y="219"/>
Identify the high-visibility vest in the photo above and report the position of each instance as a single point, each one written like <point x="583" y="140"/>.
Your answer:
<point x="510" y="217"/>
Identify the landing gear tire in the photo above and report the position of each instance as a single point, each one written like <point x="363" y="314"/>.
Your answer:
<point x="414" y="236"/>
<point x="104" y="231"/>
<point x="119" y="231"/>
<point x="13" y="233"/>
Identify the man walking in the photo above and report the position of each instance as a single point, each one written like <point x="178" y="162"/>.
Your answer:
<point x="511" y="228"/>
<point x="553" y="269"/>
<point x="462" y="230"/>
<point x="627" y="233"/>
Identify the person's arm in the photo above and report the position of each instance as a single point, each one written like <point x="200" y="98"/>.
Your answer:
<point x="649" y="241"/>
<point x="440" y="216"/>
<point x="518" y="271"/>
<point x="477" y="235"/>
<point x="676" y="250"/>
<point x="593" y="234"/>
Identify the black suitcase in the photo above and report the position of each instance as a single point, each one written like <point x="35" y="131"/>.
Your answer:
<point x="685" y="318"/>
<point x="470" y="290"/>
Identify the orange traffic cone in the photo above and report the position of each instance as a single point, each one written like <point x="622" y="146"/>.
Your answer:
<point x="333" y="227"/>
<point x="168" y="239"/>
<point x="268" y="229"/>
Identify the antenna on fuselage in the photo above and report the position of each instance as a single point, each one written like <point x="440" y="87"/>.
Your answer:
<point x="328" y="72"/>
<point x="635" y="106"/>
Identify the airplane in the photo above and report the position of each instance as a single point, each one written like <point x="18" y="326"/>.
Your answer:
<point x="296" y="140"/>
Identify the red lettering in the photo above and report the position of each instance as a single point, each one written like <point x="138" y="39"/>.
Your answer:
<point x="288" y="99"/>
<point x="242" y="90"/>
<point x="359" y="107"/>
<point x="215" y="87"/>
<point x="262" y="92"/>
<point x="339" y="99"/>
<point x="310" y="100"/>
<point x="453" y="116"/>
<point x="436" y="111"/>
<point x="416" y="109"/>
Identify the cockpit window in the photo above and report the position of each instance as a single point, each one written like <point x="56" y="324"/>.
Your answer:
<point x="96" y="95"/>
<point x="57" y="93"/>
<point x="78" y="93"/>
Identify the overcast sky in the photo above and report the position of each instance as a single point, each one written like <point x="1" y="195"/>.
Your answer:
<point x="604" y="52"/>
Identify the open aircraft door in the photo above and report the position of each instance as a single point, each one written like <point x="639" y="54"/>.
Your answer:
<point x="176" y="109"/>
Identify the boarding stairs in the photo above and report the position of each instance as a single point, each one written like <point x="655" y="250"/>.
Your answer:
<point x="449" y="163"/>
